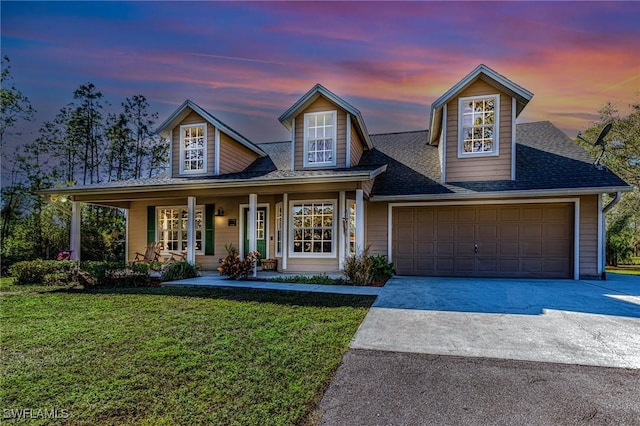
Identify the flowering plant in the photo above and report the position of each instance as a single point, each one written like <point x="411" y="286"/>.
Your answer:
<point x="234" y="267"/>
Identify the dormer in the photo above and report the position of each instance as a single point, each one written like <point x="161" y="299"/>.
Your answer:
<point x="326" y="131"/>
<point x="474" y="124"/>
<point x="203" y="146"/>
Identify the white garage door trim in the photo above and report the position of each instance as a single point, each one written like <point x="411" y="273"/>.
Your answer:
<point x="576" y="220"/>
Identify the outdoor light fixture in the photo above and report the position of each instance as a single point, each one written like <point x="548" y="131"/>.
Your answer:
<point x="220" y="212"/>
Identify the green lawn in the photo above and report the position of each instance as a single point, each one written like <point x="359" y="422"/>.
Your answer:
<point x="625" y="269"/>
<point x="172" y="356"/>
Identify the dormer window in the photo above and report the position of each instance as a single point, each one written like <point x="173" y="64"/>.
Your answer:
<point x="193" y="148"/>
<point x="320" y="139"/>
<point x="478" y="126"/>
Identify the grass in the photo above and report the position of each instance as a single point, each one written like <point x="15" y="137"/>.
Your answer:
<point x="172" y="355"/>
<point x="625" y="269"/>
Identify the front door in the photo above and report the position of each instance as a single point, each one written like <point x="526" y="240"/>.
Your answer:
<point x="261" y="231"/>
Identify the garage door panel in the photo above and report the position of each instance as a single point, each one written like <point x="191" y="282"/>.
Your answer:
<point x="465" y="264"/>
<point x="445" y="231"/>
<point x="527" y="240"/>
<point x="466" y="232"/>
<point x="426" y="248"/>
<point x="465" y="215"/>
<point x="487" y="231"/>
<point x="445" y="249"/>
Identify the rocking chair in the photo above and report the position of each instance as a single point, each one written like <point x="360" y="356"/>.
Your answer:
<point x="151" y="254"/>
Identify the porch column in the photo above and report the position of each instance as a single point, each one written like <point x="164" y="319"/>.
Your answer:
<point x="191" y="230"/>
<point x="251" y="229"/>
<point x="285" y="230"/>
<point x="126" y="235"/>
<point x="359" y="220"/>
<point x="342" y="240"/>
<point x="76" y="220"/>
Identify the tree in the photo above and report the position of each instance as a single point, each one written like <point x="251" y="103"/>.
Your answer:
<point x="86" y="128"/>
<point x="622" y="156"/>
<point x="14" y="106"/>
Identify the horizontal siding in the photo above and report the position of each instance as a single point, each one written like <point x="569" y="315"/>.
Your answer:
<point x="233" y="156"/>
<point x="310" y="265"/>
<point x="321" y="104"/>
<point x="356" y="147"/>
<point x="367" y="186"/>
<point x="376" y="226"/>
<point x="192" y="118"/>
<point x="479" y="168"/>
<point x="589" y="235"/>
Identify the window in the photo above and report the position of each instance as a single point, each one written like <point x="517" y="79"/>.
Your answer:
<point x="193" y="148"/>
<point x="279" y="229"/>
<point x="478" y="124"/>
<point x="312" y="228"/>
<point x="351" y="229"/>
<point x="320" y="139"/>
<point x="172" y="229"/>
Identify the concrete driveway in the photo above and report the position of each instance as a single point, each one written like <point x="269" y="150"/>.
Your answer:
<point x="560" y="321"/>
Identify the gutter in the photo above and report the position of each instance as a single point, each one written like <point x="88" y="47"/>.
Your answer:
<point x="603" y="235"/>
<point x="167" y="186"/>
<point x="501" y="194"/>
<point x="613" y="202"/>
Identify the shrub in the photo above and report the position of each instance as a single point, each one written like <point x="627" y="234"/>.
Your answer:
<point x="35" y="271"/>
<point x="180" y="271"/>
<point x="234" y="267"/>
<point x="358" y="268"/>
<point x="303" y="279"/>
<point x="99" y="274"/>
<point x="381" y="269"/>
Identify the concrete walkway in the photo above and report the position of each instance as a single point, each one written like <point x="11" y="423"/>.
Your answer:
<point x="559" y="321"/>
<point x="215" y="280"/>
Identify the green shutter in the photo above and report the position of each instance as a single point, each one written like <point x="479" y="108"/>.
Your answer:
<point x="151" y="224"/>
<point x="209" y="228"/>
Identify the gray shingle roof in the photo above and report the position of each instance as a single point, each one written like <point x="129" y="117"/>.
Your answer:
<point x="546" y="159"/>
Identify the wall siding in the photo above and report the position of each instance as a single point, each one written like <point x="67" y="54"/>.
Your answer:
<point x="479" y="168"/>
<point x="376" y="228"/>
<point x="319" y="105"/>
<point x="192" y="118"/>
<point x="233" y="156"/>
<point x="356" y="147"/>
<point x="589" y="235"/>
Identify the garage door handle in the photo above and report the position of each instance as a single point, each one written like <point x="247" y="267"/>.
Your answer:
<point x="475" y="248"/>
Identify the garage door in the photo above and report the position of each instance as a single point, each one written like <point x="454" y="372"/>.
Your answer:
<point x="511" y="240"/>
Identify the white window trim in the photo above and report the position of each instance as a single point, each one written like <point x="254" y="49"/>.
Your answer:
<point x="349" y="203"/>
<point x="305" y="157"/>
<point x="333" y="231"/>
<point x="278" y="227"/>
<point x="204" y="159"/>
<point x="204" y="227"/>
<point x="496" y="128"/>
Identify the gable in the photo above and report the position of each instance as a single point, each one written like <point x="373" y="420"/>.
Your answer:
<point x="224" y="154"/>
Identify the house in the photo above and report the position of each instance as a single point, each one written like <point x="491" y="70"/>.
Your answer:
<point x="476" y="195"/>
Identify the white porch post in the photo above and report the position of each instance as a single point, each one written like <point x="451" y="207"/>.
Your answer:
<point x="359" y="220"/>
<point x="285" y="230"/>
<point x="76" y="220"/>
<point x="341" y="229"/>
<point x="191" y="230"/>
<point x="126" y="235"/>
<point x="253" y="212"/>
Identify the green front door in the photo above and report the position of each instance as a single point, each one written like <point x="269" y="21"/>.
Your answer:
<point x="261" y="231"/>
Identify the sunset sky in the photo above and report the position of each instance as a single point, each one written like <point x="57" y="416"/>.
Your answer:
<point x="246" y="63"/>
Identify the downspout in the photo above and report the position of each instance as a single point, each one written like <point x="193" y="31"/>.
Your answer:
<point x="605" y="210"/>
